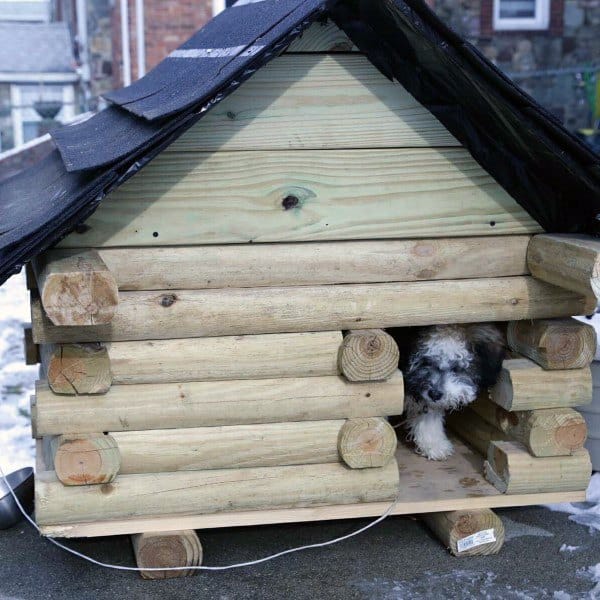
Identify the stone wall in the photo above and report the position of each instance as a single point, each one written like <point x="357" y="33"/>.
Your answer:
<point x="568" y="49"/>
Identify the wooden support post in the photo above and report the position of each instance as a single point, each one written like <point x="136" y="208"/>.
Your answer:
<point x="471" y="428"/>
<point x="214" y="403"/>
<point x="368" y="355"/>
<point x="512" y="470"/>
<point x="366" y="443"/>
<point x="545" y="432"/>
<point x="76" y="288"/>
<point x="523" y="385"/>
<point x="30" y="348"/>
<point x="554" y="343"/>
<point x="77" y="368"/>
<point x="86" y="459"/>
<point x="167" y="549"/>
<point x="206" y="313"/>
<point x="467" y="532"/>
<point x="207" y="492"/>
<point x="568" y="261"/>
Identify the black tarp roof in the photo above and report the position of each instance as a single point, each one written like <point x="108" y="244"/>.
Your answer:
<point x="551" y="173"/>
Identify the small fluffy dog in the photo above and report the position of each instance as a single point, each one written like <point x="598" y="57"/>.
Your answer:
<point x="444" y="368"/>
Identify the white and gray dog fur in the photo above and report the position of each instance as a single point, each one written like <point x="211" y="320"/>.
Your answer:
<point x="444" y="368"/>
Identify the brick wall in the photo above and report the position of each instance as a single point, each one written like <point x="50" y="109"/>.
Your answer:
<point x="168" y="23"/>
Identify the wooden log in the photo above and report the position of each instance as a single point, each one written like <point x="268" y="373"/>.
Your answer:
<point x="236" y="446"/>
<point x="196" y="359"/>
<point x="199" y="313"/>
<point x="512" y="470"/>
<point x="167" y="549"/>
<point x="569" y="261"/>
<point x="77" y="368"/>
<point x="322" y="37"/>
<point x="544" y="432"/>
<point x="367" y="442"/>
<point x="216" y="403"/>
<point x="523" y="385"/>
<point x="76" y="288"/>
<point x="30" y="349"/>
<point x="296" y="195"/>
<point x="204" y="492"/>
<point x="471" y="428"/>
<point x="368" y="355"/>
<point x="366" y="261"/>
<point x="86" y="459"/>
<point x="554" y="343"/>
<point x="467" y="532"/>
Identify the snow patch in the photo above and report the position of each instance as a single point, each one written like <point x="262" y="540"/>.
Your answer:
<point x="567" y="548"/>
<point x="512" y="530"/>
<point x="16" y="378"/>
<point x="585" y="513"/>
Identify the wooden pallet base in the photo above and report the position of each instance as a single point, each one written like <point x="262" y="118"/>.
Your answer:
<point x="426" y="487"/>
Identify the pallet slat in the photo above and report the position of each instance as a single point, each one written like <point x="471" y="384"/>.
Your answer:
<point x="192" y="359"/>
<point x="312" y="195"/>
<point x="216" y="403"/>
<point x="197" y="313"/>
<point x="249" y="265"/>
<point x="212" y="491"/>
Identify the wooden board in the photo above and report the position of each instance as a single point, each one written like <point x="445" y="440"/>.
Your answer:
<point x="238" y="197"/>
<point x="433" y="486"/>
<point x="261" y="265"/>
<point x="322" y="37"/>
<point x="215" y="403"/>
<point x="316" y="102"/>
<point x="198" y="313"/>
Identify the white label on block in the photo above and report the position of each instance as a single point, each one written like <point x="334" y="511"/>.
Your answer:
<point x="477" y="539"/>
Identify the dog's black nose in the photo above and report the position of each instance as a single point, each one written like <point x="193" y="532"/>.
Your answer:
<point x="435" y="395"/>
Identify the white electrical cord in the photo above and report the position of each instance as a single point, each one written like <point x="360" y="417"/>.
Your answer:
<point x="200" y="567"/>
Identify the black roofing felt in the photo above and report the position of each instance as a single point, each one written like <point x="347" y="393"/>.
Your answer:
<point x="547" y="170"/>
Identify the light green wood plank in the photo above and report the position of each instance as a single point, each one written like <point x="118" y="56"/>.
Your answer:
<point x="229" y="197"/>
<point x="316" y="101"/>
<point x="323" y="37"/>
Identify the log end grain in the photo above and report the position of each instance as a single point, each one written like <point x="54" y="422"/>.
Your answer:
<point x="79" y="369"/>
<point x="89" y="459"/>
<point x="367" y="442"/>
<point x="169" y="549"/>
<point x="368" y="355"/>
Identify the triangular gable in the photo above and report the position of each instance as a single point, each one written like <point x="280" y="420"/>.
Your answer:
<point x="546" y="169"/>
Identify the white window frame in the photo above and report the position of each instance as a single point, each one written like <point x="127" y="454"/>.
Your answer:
<point x="539" y="22"/>
<point x="218" y="6"/>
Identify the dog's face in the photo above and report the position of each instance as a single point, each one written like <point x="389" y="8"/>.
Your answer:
<point x="450" y="364"/>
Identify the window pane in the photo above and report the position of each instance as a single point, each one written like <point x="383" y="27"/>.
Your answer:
<point x="517" y="9"/>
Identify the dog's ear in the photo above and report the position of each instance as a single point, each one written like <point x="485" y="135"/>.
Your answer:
<point x="489" y="358"/>
<point x="489" y="349"/>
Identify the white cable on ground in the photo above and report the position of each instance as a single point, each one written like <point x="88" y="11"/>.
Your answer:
<point x="200" y="567"/>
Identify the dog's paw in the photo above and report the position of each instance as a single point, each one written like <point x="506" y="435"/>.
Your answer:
<point x="436" y="450"/>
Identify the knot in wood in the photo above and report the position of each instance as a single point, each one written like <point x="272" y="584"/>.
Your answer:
<point x="290" y="202"/>
<point x="168" y="300"/>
